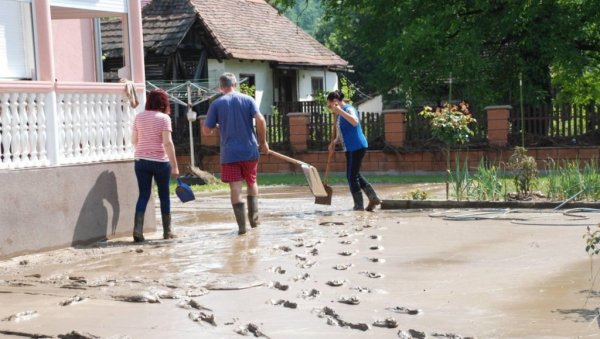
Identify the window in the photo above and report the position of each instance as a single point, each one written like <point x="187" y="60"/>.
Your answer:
<point x="316" y="84"/>
<point x="249" y="85"/>
<point x="17" y="59"/>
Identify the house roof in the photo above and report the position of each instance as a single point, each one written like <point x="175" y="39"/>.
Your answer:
<point x="238" y="29"/>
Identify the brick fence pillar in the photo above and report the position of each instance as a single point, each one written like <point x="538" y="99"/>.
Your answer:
<point x="497" y="123"/>
<point x="207" y="140"/>
<point x="395" y="129"/>
<point x="298" y="131"/>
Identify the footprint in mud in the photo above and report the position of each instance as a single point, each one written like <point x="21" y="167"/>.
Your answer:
<point x="19" y="284"/>
<point x="336" y="283"/>
<point x="331" y="223"/>
<point x="387" y="323"/>
<point x="349" y="300"/>
<point x="25" y="315"/>
<point x="347" y="253"/>
<point x="278" y="270"/>
<point x="358" y="229"/>
<point x="300" y="257"/>
<point x="362" y="289"/>
<point x="367" y="226"/>
<point x="313" y="244"/>
<point x="412" y="334"/>
<point x="72" y="300"/>
<point x="373" y="275"/>
<point x="314" y="252"/>
<point x="307" y="264"/>
<point x="302" y="277"/>
<point x="342" y="267"/>
<point x="283" y="248"/>
<point x="201" y="316"/>
<point x="191" y="303"/>
<point x="334" y="319"/>
<point x="346" y="242"/>
<point x="173" y="295"/>
<point x="376" y="260"/>
<point x="78" y="335"/>
<point x="376" y="248"/>
<point x="404" y="310"/>
<point x="279" y="286"/>
<point x="375" y="237"/>
<point x="37" y="275"/>
<point x="250" y="329"/>
<point x="138" y="298"/>
<point x="449" y="336"/>
<point x="309" y="294"/>
<point x="285" y="303"/>
<point x="342" y="234"/>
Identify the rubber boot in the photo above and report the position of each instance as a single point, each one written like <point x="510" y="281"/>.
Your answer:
<point x="253" y="210"/>
<point x="373" y="198"/>
<point x="167" y="233"/>
<point x="240" y="217"/>
<point x="358" y="201"/>
<point x="138" y="227"/>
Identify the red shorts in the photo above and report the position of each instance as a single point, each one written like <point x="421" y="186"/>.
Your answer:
<point x="238" y="171"/>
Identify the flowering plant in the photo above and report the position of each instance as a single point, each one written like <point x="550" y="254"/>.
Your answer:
<point x="451" y="123"/>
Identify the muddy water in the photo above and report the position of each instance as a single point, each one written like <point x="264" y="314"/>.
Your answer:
<point x="313" y="271"/>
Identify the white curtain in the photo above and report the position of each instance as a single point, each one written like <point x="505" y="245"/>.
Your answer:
<point x="16" y="40"/>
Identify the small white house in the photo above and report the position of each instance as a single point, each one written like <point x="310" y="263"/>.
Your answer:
<point x="201" y="39"/>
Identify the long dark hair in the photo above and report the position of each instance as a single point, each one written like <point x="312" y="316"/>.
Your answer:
<point x="158" y="100"/>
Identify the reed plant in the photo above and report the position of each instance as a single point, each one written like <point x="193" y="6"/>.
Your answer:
<point x="461" y="181"/>
<point x="487" y="183"/>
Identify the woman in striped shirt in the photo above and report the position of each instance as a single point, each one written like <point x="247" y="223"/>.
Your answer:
<point x="154" y="158"/>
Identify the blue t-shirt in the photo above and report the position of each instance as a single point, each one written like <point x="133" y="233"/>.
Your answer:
<point x="234" y="112"/>
<point x="352" y="137"/>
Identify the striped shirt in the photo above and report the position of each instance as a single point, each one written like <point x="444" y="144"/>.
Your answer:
<point x="149" y="126"/>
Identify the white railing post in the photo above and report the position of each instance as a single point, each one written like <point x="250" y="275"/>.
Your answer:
<point x="52" y="131"/>
<point x="5" y="119"/>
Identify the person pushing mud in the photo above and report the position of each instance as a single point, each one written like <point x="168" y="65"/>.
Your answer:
<point x="350" y="135"/>
<point x="233" y="114"/>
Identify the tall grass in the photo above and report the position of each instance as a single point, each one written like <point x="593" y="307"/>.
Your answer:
<point x="566" y="180"/>
<point x="487" y="183"/>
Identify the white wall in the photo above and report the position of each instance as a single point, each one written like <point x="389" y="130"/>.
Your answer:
<point x="372" y="105"/>
<point x="330" y="80"/>
<point x="263" y="75"/>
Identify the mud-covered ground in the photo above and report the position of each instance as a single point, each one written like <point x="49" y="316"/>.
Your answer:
<point x="313" y="271"/>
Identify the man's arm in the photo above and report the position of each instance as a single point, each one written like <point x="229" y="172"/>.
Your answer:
<point x="207" y="130"/>
<point x="261" y="132"/>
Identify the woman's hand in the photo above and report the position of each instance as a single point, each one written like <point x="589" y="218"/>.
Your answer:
<point x="174" y="171"/>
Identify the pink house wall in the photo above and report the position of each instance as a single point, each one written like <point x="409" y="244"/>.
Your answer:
<point x="74" y="50"/>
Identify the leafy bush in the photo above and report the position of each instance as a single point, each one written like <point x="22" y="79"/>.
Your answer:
<point x="525" y="171"/>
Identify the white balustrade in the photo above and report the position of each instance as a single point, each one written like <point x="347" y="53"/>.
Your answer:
<point x="22" y="130"/>
<point x="92" y="127"/>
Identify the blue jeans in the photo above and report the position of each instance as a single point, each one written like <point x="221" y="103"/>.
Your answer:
<point x="353" y="163"/>
<point x="145" y="170"/>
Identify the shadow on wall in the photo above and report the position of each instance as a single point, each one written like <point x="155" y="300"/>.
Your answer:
<point x="100" y="207"/>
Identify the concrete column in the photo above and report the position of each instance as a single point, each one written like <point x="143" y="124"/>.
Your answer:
<point x="395" y="128"/>
<point x="136" y="41"/>
<point x="208" y="140"/>
<point x="45" y="49"/>
<point x="299" y="131"/>
<point x="497" y="123"/>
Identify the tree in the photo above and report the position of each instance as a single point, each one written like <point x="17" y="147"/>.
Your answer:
<point x="416" y="45"/>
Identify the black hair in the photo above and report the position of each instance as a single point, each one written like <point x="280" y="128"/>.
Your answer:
<point x="335" y="95"/>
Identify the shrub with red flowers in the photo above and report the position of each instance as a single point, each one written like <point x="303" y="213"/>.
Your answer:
<point x="450" y="124"/>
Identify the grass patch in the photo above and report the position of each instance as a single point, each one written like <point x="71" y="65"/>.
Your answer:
<point x="267" y="179"/>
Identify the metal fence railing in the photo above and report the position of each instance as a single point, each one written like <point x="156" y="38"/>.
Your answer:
<point x="550" y="125"/>
<point x="418" y="130"/>
<point x="278" y="131"/>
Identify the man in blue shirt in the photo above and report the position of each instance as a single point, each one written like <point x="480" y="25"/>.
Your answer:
<point x="233" y="114"/>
